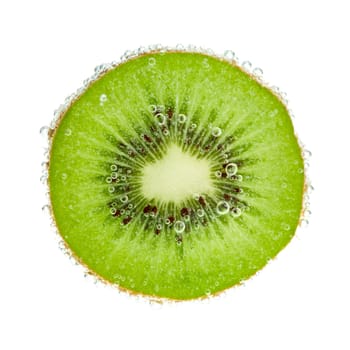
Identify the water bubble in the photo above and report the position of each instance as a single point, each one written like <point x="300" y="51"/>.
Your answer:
<point x="114" y="167"/>
<point x="167" y="221"/>
<point x="247" y="65"/>
<point x="113" y="211"/>
<point x="46" y="209"/>
<point x="43" y="179"/>
<point x="236" y="212"/>
<point x="229" y="55"/>
<point x="122" y="211"/>
<point x="152" y="61"/>
<point x="218" y="174"/>
<point x="124" y="199"/>
<point x="307" y="153"/>
<point x="123" y="178"/>
<point x="108" y="179"/>
<point x="103" y="98"/>
<point x="130" y="206"/>
<point x="159" y="226"/>
<point x="160" y="118"/>
<point x="114" y="175"/>
<point x="166" y="132"/>
<point x="44" y="131"/>
<point x="304" y="222"/>
<point x="222" y="208"/>
<point x="68" y="132"/>
<point x="231" y="169"/>
<point x="182" y="118"/>
<point x="179" y="226"/>
<point x="216" y="132"/>
<point x="193" y="126"/>
<point x="258" y="72"/>
<point x="111" y="189"/>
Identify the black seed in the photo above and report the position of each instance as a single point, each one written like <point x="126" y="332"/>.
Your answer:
<point x="157" y="231"/>
<point x="178" y="239"/>
<point x="170" y="113"/>
<point x="227" y="197"/>
<point x="154" y="210"/>
<point x="117" y="213"/>
<point x="237" y="190"/>
<point x="201" y="201"/>
<point x="184" y="211"/>
<point x="147" y="138"/>
<point x="171" y="219"/>
<point x="147" y="209"/>
<point x="126" y="220"/>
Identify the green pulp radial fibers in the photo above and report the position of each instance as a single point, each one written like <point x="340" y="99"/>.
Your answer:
<point x="176" y="175"/>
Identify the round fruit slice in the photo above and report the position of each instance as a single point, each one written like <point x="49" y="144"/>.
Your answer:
<point x="176" y="175"/>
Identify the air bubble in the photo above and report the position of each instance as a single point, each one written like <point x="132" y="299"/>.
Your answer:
<point x="114" y="175"/>
<point x="64" y="176"/>
<point x="46" y="209"/>
<point x="167" y="221"/>
<point x="43" y="179"/>
<point x="44" y="131"/>
<point x="114" y="167"/>
<point x="182" y="118"/>
<point x="152" y="61"/>
<point x="113" y="211"/>
<point x="218" y="174"/>
<point x="300" y="170"/>
<point x="103" y="99"/>
<point x="159" y="226"/>
<point x="153" y="108"/>
<point x="239" y="178"/>
<point x="160" y="118"/>
<point x="68" y="132"/>
<point x="247" y="65"/>
<point x="200" y="212"/>
<point x="123" y="178"/>
<point x="258" y="72"/>
<point x="216" y="132"/>
<point x="179" y="226"/>
<point x="166" y="132"/>
<point x="108" y="179"/>
<point x="229" y="55"/>
<point x="236" y="212"/>
<point x="193" y="126"/>
<point x="222" y="208"/>
<point x="124" y="199"/>
<point x="231" y="169"/>
<point x="111" y="189"/>
<point x="285" y="227"/>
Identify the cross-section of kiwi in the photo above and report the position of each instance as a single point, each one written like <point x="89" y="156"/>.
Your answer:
<point x="176" y="175"/>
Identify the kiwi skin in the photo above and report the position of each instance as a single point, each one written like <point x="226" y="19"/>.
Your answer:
<point x="188" y="294"/>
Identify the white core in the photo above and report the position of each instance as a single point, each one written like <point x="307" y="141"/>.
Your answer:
<point x="176" y="177"/>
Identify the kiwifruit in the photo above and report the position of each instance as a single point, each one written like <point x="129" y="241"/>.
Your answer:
<point x="175" y="174"/>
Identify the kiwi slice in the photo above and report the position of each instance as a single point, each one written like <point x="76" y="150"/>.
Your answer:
<point x="175" y="174"/>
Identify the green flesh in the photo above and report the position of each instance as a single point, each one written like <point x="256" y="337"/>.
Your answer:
<point x="214" y="255"/>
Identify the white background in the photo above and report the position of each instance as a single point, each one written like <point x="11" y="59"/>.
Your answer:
<point x="299" y="301"/>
